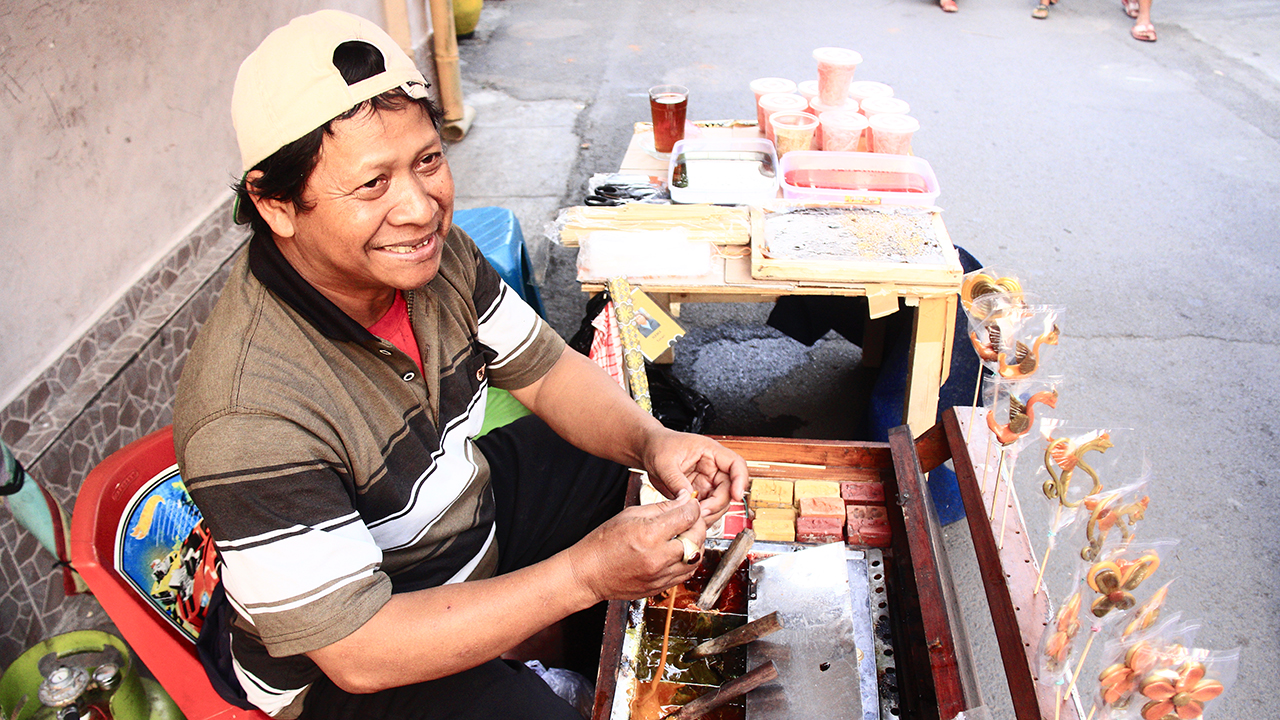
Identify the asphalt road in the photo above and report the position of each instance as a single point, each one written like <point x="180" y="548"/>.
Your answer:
<point x="1135" y="184"/>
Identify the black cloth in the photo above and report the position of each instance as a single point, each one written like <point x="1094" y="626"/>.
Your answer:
<point x="549" y="495"/>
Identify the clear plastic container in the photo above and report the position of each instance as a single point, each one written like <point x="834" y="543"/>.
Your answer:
<point x="779" y="102"/>
<point x="726" y="171"/>
<point x="857" y="178"/>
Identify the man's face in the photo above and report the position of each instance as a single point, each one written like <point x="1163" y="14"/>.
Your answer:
<point x="381" y="200"/>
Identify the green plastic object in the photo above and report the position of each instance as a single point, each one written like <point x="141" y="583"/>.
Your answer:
<point x="135" y="698"/>
<point x="25" y="500"/>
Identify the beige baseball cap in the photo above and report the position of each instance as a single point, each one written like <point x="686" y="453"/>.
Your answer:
<point x="289" y="86"/>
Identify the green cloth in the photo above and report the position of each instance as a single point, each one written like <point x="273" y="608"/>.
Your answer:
<point x="500" y="409"/>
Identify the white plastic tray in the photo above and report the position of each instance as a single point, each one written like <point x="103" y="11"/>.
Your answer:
<point x="724" y="171"/>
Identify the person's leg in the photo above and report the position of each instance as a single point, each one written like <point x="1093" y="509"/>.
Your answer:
<point x="549" y="495"/>
<point x="1143" y="29"/>
<point x="496" y="689"/>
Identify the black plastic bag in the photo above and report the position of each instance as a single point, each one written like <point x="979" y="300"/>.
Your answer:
<point x="675" y="405"/>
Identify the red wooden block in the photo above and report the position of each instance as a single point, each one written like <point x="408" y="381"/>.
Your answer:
<point x="866" y="512"/>
<point x="822" y="507"/>
<point x="819" y="525"/>
<point x="864" y="493"/>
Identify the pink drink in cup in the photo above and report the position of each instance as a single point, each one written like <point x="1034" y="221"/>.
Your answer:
<point x="766" y="86"/>
<point x="892" y="133"/>
<point x="835" y="71"/>
<point x="817" y="107"/>
<point x="668" y="104"/>
<point x="779" y="102"/>
<point x="808" y="89"/>
<point x="792" y="130"/>
<point x="841" y="130"/>
<point x="860" y="90"/>
<point x="873" y="106"/>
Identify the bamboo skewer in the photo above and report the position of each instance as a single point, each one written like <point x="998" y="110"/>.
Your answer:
<point x="1057" y="514"/>
<point x="974" y="411"/>
<point x="1093" y="633"/>
<point x="713" y="699"/>
<point x="729" y="563"/>
<point x="750" y="632"/>
<point x="995" y="492"/>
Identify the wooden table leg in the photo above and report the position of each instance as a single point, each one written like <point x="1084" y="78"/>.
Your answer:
<point x="926" y="363"/>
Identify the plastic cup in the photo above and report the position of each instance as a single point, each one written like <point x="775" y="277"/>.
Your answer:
<point x="835" y="71"/>
<point x="841" y="130"/>
<point x="766" y="86"/>
<point x="860" y="90"/>
<point x="891" y="134"/>
<point x="808" y="89"/>
<point x="779" y="102"/>
<point x="792" y="130"/>
<point x="873" y="106"/>
<point x="817" y="107"/>
<point x="668" y="104"/>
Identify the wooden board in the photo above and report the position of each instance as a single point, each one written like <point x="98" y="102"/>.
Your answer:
<point x="946" y="274"/>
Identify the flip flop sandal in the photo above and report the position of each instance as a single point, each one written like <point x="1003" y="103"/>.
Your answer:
<point x="1041" y="12"/>
<point x="948" y="5"/>
<point x="1145" y="32"/>
<point x="1130" y="7"/>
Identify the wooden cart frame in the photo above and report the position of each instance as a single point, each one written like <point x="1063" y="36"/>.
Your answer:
<point x="935" y="677"/>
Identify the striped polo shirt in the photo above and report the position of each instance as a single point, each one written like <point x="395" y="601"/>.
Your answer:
<point x="330" y="471"/>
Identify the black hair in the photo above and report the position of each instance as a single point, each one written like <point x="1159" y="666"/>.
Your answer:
<point x="285" y="172"/>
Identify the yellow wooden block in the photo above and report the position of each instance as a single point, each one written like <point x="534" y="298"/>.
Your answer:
<point x="771" y="493"/>
<point x="815" y="488"/>
<point x="776" y="524"/>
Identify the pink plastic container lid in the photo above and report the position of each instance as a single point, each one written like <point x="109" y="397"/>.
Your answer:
<point x="884" y="105"/>
<point x="892" y="123"/>
<point x="764" y="86"/>
<point x="817" y="107"/>
<point x="808" y="89"/>
<point x="843" y="119"/>
<point x="836" y="56"/>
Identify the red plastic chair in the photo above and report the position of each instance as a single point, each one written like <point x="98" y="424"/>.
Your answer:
<point x="108" y="496"/>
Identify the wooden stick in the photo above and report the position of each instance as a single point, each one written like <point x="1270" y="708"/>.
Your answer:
<point x="1056" y="515"/>
<point x="986" y="466"/>
<point x="995" y="492"/>
<point x="729" y="562"/>
<point x="1057" y="708"/>
<point x="1004" y="514"/>
<point x="734" y="688"/>
<point x="779" y="463"/>
<point x="1080" y="665"/>
<point x="974" y="411"/>
<point x="750" y="632"/>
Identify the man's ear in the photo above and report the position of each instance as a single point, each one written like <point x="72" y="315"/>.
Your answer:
<point x="278" y="214"/>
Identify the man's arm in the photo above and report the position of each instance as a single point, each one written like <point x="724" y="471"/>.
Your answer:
<point x="587" y="407"/>
<point x="427" y="634"/>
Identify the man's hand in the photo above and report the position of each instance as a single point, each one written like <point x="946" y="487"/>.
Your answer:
<point x="637" y="552"/>
<point x="677" y="461"/>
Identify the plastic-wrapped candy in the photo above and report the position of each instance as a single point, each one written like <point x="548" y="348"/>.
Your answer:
<point x="1084" y="461"/>
<point x="987" y="281"/>
<point x="1131" y="659"/>
<point x="1120" y="572"/>
<point x="1146" y="614"/>
<point x="1022" y="344"/>
<point x="1012" y="405"/>
<point x="1181" y="686"/>
<point x="1119" y="510"/>
<point x="1059" y="641"/>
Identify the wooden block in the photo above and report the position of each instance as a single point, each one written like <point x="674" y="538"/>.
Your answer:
<point x="822" y="507"/>
<point x="771" y="493"/>
<point x="816" y="488"/>
<point x="734" y="520"/>
<point x="819" y="525"/>
<point x="863" y="493"/>
<point x="776" y="524"/>
<point x="866" y="513"/>
<point x="868" y="532"/>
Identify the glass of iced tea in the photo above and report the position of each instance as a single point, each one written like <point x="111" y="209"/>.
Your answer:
<point x="668" y="104"/>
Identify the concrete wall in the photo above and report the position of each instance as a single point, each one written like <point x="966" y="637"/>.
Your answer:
<point x="117" y="141"/>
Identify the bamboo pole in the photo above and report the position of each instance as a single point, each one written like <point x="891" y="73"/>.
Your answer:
<point x="444" y="44"/>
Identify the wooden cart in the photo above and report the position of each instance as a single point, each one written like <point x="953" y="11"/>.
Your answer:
<point x="931" y="675"/>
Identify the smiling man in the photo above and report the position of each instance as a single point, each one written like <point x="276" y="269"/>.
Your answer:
<point x="378" y="559"/>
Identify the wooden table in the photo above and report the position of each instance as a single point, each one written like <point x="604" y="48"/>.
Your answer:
<point x="934" y="303"/>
